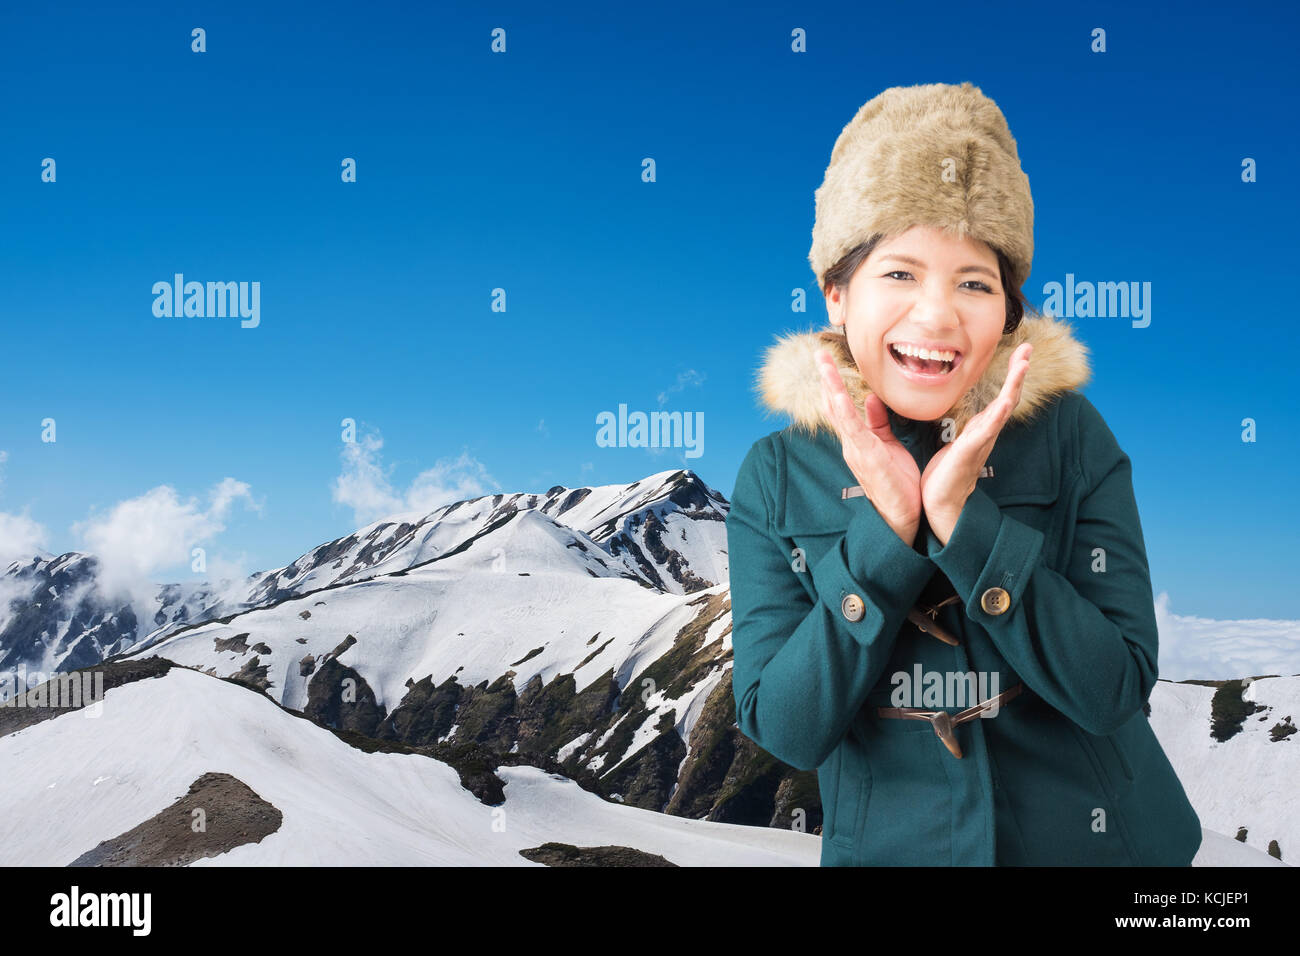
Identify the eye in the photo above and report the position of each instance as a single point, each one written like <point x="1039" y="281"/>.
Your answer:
<point x="980" y="286"/>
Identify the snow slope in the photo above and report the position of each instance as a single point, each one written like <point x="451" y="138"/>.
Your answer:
<point x="1248" y="780"/>
<point x="84" y="780"/>
<point x="439" y="620"/>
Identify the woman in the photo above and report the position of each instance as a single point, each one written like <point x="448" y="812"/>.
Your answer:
<point x="939" y="585"/>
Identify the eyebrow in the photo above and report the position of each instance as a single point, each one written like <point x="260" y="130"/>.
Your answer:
<point x="917" y="262"/>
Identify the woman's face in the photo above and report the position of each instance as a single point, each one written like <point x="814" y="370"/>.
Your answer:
<point x="919" y="290"/>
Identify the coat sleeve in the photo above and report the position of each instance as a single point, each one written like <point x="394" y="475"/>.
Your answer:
<point x="1085" y="641"/>
<point x="801" y="669"/>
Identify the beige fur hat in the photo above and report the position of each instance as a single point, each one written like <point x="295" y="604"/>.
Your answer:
<point x="935" y="154"/>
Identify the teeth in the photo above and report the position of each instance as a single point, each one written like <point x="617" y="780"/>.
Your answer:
<point x="923" y="353"/>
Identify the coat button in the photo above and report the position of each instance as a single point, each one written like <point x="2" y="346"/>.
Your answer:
<point x="995" y="601"/>
<point x="852" y="607"/>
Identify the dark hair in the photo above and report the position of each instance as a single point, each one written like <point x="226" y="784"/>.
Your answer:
<point x="842" y="272"/>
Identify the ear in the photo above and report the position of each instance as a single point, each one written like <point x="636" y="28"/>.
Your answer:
<point x="835" y="307"/>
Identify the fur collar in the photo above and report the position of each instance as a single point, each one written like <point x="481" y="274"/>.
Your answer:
<point x="788" y="381"/>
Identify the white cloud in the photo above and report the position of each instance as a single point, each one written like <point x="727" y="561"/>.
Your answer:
<point x="688" y="377"/>
<point x="157" y="530"/>
<point x="365" y="487"/>
<point x="10" y="590"/>
<point x="227" y="492"/>
<point x="20" y="537"/>
<point x="226" y="576"/>
<point x="1205" y="649"/>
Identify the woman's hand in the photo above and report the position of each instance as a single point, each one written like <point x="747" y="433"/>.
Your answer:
<point x="950" y="475"/>
<point x="883" y="466"/>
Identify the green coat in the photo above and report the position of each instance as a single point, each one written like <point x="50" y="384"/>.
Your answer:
<point x="1069" y="772"/>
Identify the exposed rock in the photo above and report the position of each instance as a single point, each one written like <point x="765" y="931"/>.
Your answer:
<point x="1282" y="730"/>
<point x="346" y="706"/>
<point x="252" y="674"/>
<point x="588" y="659"/>
<point x="486" y="715"/>
<point x="425" y="714"/>
<point x="646" y="779"/>
<point x="219" y="813"/>
<point x="552" y="715"/>
<point x="529" y="656"/>
<point x="238" y="643"/>
<point x="342" y="646"/>
<point x="566" y="854"/>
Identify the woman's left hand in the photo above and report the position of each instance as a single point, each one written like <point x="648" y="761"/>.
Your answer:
<point x="950" y="476"/>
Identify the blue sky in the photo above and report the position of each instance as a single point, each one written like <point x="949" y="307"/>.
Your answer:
<point x="522" y="171"/>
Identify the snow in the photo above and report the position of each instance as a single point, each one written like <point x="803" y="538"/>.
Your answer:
<point x="1219" y="850"/>
<point x="1249" y="780"/>
<point x="562" y="754"/>
<point x="86" y="780"/>
<point x="468" y="616"/>
<point x="716" y="630"/>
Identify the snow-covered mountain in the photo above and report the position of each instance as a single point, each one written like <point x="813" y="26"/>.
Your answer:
<point x="666" y="530"/>
<point x="585" y="633"/>
<point x="502" y="627"/>
<point x="53" y="618"/>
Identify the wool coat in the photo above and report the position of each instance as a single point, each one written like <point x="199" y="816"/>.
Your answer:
<point x="1067" y="773"/>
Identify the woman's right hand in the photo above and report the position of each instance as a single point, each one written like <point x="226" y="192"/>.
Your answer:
<point x="882" y="464"/>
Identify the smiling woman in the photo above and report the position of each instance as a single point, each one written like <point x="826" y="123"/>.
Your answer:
<point x="984" y="486"/>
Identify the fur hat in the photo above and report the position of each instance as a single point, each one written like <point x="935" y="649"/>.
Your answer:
<point x="934" y="154"/>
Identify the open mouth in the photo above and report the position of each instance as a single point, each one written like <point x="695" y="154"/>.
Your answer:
<point x="936" y="364"/>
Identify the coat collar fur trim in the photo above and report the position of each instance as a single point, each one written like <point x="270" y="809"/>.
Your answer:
<point x="788" y="381"/>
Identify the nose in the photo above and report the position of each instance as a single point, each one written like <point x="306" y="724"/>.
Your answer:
<point x="934" y="312"/>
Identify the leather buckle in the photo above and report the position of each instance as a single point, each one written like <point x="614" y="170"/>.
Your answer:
<point x="941" y="721"/>
<point x="926" y="620"/>
<point x="927" y="625"/>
